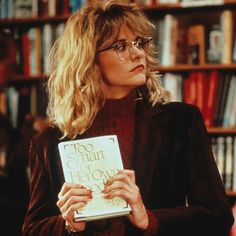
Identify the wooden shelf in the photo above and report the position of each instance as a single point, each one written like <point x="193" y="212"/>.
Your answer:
<point x="183" y="68"/>
<point x="23" y="79"/>
<point x="17" y="22"/>
<point x="170" y="7"/>
<point x="231" y="194"/>
<point x="221" y="131"/>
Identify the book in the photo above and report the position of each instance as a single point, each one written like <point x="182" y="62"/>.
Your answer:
<point x="234" y="164"/>
<point x="215" y="44"/>
<point x="196" y="44"/>
<point x="195" y="3"/>
<point x="173" y="83"/>
<point x="234" y="48"/>
<point x="26" y="53"/>
<point x="181" y="53"/>
<point x="229" y="163"/>
<point x="226" y="24"/>
<point x="220" y="157"/>
<point x="91" y="162"/>
<point x="229" y="102"/>
<point x="23" y="9"/>
<point x="211" y="96"/>
<point x="189" y="88"/>
<point x="168" y="23"/>
<point x="223" y="99"/>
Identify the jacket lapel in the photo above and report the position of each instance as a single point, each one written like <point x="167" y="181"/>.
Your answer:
<point x="150" y="125"/>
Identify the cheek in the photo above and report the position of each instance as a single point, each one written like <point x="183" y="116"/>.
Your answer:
<point x="111" y="70"/>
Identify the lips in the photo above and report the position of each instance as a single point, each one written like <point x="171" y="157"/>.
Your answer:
<point x="138" y="68"/>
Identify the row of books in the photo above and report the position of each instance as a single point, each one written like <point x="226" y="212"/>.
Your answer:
<point x="214" y="93"/>
<point x="35" y="8"/>
<point x="224" y="150"/>
<point x="182" y="41"/>
<point x="33" y="47"/>
<point x="184" y="3"/>
<point x="16" y="102"/>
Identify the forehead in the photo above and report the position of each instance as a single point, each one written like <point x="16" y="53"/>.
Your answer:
<point x="126" y="33"/>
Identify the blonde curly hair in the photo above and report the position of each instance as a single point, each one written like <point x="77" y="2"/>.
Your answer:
<point x="74" y="85"/>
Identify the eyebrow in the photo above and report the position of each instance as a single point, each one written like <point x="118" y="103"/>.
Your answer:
<point x="124" y="40"/>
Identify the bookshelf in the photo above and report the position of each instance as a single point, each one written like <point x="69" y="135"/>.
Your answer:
<point x="222" y="138"/>
<point x="154" y="12"/>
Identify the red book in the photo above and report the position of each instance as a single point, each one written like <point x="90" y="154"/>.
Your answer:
<point x="201" y="93"/>
<point x="211" y="97"/>
<point x="26" y="53"/>
<point x="65" y="7"/>
<point x="189" y="88"/>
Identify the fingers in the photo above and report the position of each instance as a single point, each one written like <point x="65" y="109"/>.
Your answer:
<point x="123" y="185"/>
<point x="71" y="198"/>
<point x="67" y="186"/>
<point x="125" y="176"/>
<point x="82" y="194"/>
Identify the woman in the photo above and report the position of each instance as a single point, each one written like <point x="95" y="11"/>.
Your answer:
<point x="103" y="82"/>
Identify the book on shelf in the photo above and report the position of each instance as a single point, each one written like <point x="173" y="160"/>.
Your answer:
<point x="195" y="90"/>
<point x="220" y="157"/>
<point x="25" y="53"/>
<point x="234" y="164"/>
<point x="195" y="3"/>
<point x="167" y="1"/>
<point x="173" y="83"/>
<point x="3" y="103"/>
<point x="222" y="97"/>
<point x="196" y="44"/>
<point x="35" y="51"/>
<point x="224" y="150"/>
<point x="23" y="9"/>
<point x="228" y="113"/>
<point x="226" y="24"/>
<point x="234" y="47"/>
<point x="91" y="162"/>
<point x="166" y="37"/>
<point x="211" y="95"/>
<point x="228" y="163"/>
<point x="215" y="44"/>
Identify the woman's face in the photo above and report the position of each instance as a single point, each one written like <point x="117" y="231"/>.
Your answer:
<point x="120" y="77"/>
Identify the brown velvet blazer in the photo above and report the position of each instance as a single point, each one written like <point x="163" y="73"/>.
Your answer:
<point x="173" y="161"/>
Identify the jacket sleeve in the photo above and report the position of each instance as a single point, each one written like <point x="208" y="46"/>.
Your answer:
<point x="207" y="212"/>
<point x="43" y="217"/>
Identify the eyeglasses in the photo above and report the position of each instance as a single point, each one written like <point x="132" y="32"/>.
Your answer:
<point x="124" y="47"/>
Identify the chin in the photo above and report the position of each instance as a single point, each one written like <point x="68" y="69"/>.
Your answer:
<point x="140" y="80"/>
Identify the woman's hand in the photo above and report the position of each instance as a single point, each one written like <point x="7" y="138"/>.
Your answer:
<point x="123" y="185"/>
<point x="71" y="198"/>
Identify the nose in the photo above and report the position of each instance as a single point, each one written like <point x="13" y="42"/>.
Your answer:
<point x="135" y="52"/>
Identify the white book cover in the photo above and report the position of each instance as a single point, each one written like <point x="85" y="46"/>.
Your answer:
<point x="91" y="162"/>
<point x="229" y="102"/>
<point x="226" y="25"/>
<point x="220" y="156"/>
<point x="229" y="163"/>
<point x="47" y="42"/>
<point x="234" y="48"/>
<point x="196" y="3"/>
<point x="234" y="164"/>
<point x="167" y="40"/>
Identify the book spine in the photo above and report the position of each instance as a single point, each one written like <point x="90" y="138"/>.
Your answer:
<point x="226" y="20"/>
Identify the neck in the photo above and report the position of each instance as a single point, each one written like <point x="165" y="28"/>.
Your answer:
<point x="116" y="93"/>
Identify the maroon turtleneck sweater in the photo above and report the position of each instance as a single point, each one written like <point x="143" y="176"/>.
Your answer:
<point x="116" y="117"/>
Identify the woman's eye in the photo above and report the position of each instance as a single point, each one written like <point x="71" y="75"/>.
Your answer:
<point x="121" y="47"/>
<point x="140" y="43"/>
